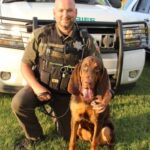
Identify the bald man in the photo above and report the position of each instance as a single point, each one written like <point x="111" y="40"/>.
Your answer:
<point x="53" y="50"/>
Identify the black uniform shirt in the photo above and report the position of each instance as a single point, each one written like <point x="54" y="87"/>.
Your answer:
<point x="50" y="36"/>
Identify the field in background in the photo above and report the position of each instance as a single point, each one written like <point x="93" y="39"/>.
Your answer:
<point x="130" y="112"/>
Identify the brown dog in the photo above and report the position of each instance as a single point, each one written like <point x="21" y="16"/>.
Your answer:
<point x="89" y="81"/>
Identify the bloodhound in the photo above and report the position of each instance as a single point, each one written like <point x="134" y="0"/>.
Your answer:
<point x="89" y="82"/>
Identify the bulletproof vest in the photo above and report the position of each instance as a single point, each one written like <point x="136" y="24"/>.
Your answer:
<point x="55" y="65"/>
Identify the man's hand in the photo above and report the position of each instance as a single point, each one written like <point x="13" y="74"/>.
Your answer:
<point x="45" y="96"/>
<point x="99" y="104"/>
<point x="42" y="93"/>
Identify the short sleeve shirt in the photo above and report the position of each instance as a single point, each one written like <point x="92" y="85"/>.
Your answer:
<point x="39" y="40"/>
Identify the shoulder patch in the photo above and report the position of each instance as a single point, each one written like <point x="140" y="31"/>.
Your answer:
<point x="31" y="37"/>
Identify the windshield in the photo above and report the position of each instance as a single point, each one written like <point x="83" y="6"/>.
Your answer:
<point x="124" y="6"/>
<point x="77" y="1"/>
<point x="10" y="1"/>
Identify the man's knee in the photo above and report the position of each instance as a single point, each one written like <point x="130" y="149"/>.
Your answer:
<point x="15" y="104"/>
<point x="22" y="100"/>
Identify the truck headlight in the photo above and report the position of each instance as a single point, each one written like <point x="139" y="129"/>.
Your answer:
<point x="11" y="37"/>
<point x="134" y="36"/>
<point x="128" y="34"/>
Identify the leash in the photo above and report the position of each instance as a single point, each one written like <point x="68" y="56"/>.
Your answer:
<point x="48" y="110"/>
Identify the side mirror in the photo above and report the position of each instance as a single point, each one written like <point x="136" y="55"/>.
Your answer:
<point x="115" y="3"/>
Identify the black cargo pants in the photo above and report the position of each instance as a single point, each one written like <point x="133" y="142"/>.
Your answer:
<point x="24" y="104"/>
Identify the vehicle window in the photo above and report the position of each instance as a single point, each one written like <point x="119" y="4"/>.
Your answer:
<point x="77" y="1"/>
<point x="143" y="6"/>
<point x="87" y="1"/>
<point x="149" y="7"/>
<point x="10" y="1"/>
<point x="125" y="5"/>
<point x="115" y="4"/>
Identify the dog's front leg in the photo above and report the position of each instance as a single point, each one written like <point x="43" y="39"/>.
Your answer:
<point x="94" y="142"/>
<point x="73" y="136"/>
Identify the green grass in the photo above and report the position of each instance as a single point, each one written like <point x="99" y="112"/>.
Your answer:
<point x="130" y="112"/>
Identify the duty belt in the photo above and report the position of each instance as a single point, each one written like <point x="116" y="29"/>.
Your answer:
<point x="63" y="69"/>
<point x="66" y="70"/>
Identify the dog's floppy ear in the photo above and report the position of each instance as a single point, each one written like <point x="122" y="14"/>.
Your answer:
<point x="74" y="82"/>
<point x="103" y="82"/>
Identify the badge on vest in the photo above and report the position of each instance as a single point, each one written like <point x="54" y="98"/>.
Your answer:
<point x="78" y="45"/>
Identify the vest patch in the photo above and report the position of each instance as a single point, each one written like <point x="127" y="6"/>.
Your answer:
<point x="78" y="45"/>
<point x="57" y="60"/>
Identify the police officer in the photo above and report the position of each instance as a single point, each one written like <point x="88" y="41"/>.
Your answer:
<point x="54" y="50"/>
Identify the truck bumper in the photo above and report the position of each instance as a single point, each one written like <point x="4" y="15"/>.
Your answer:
<point x="133" y="64"/>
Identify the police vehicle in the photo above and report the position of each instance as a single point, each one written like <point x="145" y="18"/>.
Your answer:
<point x="121" y="35"/>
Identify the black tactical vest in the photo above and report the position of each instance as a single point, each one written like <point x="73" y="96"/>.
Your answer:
<point x="59" y="58"/>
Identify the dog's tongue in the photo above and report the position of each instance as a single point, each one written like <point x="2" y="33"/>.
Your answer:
<point x="87" y="94"/>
